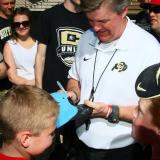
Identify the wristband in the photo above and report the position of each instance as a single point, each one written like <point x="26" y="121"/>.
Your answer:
<point x="114" y="116"/>
<point x="109" y="111"/>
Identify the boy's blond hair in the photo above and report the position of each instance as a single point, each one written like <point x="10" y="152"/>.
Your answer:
<point x="26" y="108"/>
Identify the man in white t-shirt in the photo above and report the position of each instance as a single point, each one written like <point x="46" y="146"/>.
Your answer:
<point x="109" y="58"/>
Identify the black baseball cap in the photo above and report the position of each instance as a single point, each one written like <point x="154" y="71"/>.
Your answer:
<point x="148" y="82"/>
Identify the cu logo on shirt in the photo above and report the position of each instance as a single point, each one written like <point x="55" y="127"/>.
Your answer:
<point x="121" y="66"/>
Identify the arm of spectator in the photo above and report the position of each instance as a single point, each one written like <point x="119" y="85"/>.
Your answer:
<point x="11" y="68"/>
<point x="73" y="90"/>
<point x="126" y="113"/>
<point x="103" y="110"/>
<point x="39" y="65"/>
<point x="3" y="69"/>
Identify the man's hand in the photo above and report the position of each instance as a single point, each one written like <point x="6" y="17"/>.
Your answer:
<point x="99" y="109"/>
<point x="73" y="90"/>
<point x="73" y="96"/>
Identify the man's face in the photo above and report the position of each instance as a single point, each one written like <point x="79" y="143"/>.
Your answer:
<point x="6" y="7"/>
<point x="154" y="12"/>
<point x="107" y="24"/>
<point x="21" y="24"/>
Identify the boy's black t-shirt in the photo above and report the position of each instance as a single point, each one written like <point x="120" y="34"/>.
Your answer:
<point x="60" y="31"/>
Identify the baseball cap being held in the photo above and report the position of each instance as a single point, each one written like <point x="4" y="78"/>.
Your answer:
<point x="69" y="111"/>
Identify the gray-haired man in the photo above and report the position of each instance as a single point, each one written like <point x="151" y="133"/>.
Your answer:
<point x="109" y="58"/>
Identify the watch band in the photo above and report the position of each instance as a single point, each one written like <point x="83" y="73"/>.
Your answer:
<point x="114" y="116"/>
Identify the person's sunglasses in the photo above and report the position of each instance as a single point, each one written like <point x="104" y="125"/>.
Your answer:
<point x="155" y="9"/>
<point x="23" y="23"/>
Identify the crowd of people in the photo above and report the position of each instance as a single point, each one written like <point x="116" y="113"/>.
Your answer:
<point x="95" y="50"/>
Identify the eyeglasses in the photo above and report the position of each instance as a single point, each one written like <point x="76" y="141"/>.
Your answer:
<point x="23" y="23"/>
<point x="155" y="9"/>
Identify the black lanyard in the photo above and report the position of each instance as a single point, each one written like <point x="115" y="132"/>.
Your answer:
<point x="93" y="90"/>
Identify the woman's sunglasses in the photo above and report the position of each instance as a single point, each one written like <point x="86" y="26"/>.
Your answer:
<point x="155" y="9"/>
<point x="23" y="23"/>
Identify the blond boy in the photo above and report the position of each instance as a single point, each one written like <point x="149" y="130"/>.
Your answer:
<point x="27" y="122"/>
